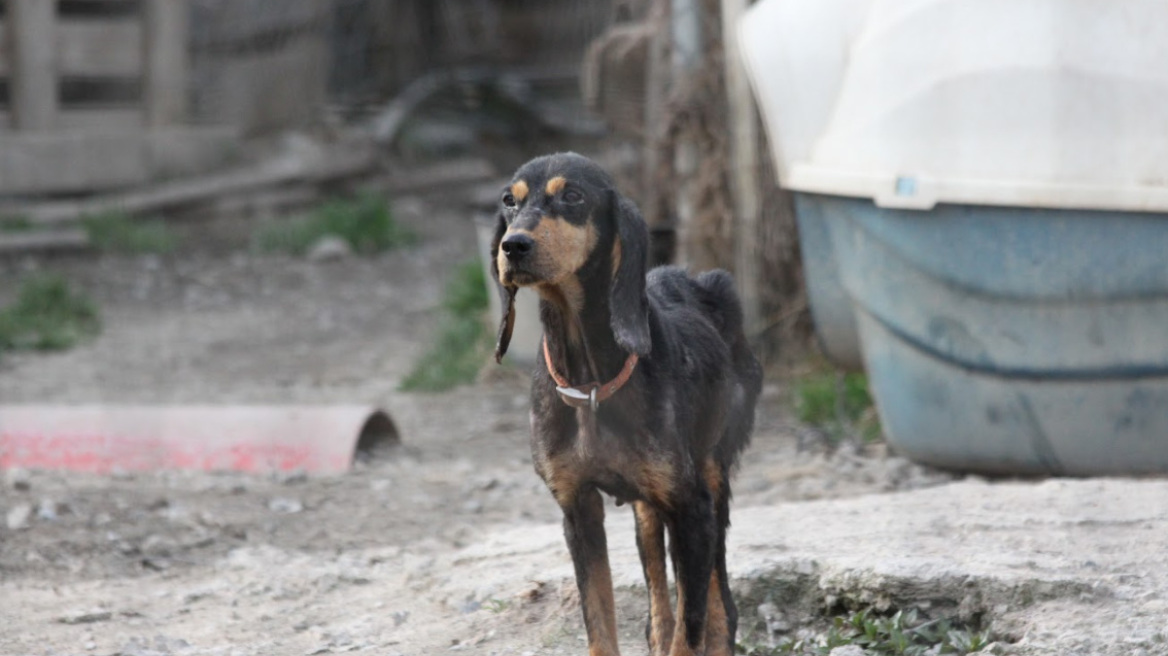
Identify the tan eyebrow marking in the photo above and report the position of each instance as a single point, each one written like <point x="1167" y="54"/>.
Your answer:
<point x="555" y="185"/>
<point x="519" y="190"/>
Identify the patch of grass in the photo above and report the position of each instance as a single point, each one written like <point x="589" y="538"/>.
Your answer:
<point x="365" y="222"/>
<point x="47" y="316"/>
<point x="14" y="223"/>
<point x="118" y="232"/>
<point x="901" y="634"/>
<point x="837" y="403"/>
<point x="497" y="605"/>
<point x="463" y="342"/>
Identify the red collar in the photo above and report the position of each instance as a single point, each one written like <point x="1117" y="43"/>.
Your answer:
<point x="588" y="394"/>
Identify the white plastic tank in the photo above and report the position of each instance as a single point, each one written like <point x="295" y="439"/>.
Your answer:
<point x="1043" y="103"/>
<point x="981" y="188"/>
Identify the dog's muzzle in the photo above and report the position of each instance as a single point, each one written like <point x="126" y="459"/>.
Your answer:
<point x="517" y="246"/>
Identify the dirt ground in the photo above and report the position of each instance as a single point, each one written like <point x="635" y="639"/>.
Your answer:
<point x="220" y="563"/>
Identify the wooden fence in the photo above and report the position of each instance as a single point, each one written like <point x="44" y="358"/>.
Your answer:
<point x="93" y="95"/>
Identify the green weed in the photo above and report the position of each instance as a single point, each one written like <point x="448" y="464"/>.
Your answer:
<point x="497" y="605"/>
<point x="115" y="231"/>
<point x="901" y="634"/>
<point x="47" y="316"/>
<point x="14" y="223"/>
<point x="463" y="341"/>
<point x="365" y="222"/>
<point x="838" y="403"/>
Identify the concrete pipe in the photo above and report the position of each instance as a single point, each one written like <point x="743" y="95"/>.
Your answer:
<point x="101" y="439"/>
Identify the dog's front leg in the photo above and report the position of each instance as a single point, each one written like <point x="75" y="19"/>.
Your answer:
<point x="584" y="532"/>
<point x="692" y="534"/>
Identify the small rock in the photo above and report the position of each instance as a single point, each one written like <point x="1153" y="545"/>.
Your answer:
<point x="18" y="479"/>
<point x="294" y="477"/>
<point x="157" y="546"/>
<point x="196" y="596"/>
<point x="18" y="517"/>
<point x="162" y="646"/>
<point x="329" y="248"/>
<point x="49" y="510"/>
<point x="285" y="505"/>
<point x="776" y="620"/>
<point x="848" y="650"/>
<point x="86" y="617"/>
<point x="156" y="564"/>
<point x="399" y="617"/>
<point x="474" y="507"/>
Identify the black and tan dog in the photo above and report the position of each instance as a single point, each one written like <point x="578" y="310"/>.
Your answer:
<point x="645" y="390"/>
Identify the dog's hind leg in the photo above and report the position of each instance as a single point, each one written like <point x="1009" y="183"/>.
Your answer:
<point x="692" y="532"/>
<point x="584" y="532"/>
<point x="651" y="545"/>
<point x="722" y="617"/>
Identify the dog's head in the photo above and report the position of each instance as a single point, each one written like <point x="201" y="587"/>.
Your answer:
<point x="561" y="224"/>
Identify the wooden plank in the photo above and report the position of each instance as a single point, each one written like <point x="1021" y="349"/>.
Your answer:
<point x="100" y="48"/>
<point x="240" y="26"/>
<point x="266" y="202"/>
<point x="38" y="162"/>
<point x="336" y="165"/>
<point x="165" y="77"/>
<point x="33" y="76"/>
<point x="91" y="160"/>
<point x="3" y="49"/>
<point x="43" y="240"/>
<point x="88" y="119"/>
<point x="100" y="119"/>
<point x="455" y="173"/>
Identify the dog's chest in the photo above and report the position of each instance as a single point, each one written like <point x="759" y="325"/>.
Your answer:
<point x="618" y="464"/>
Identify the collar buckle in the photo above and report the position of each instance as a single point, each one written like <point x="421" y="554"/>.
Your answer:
<point x="588" y="395"/>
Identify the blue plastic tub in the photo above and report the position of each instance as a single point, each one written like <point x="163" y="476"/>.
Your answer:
<point x="998" y="339"/>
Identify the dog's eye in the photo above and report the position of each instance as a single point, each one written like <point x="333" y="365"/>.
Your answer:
<point x="572" y="197"/>
<point x="508" y="199"/>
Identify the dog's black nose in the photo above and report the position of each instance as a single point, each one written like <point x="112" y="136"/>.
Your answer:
<point x="517" y="246"/>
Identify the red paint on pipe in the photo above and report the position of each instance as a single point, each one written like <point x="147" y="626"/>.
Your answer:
<point x="101" y="439"/>
<point x="103" y="454"/>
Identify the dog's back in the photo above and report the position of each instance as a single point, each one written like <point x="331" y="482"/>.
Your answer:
<point x="690" y="307"/>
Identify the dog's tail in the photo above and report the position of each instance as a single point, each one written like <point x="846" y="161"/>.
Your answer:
<point x="720" y="303"/>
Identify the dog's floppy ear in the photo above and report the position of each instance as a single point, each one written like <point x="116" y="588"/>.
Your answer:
<point x="506" y="292"/>
<point x="628" y="304"/>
